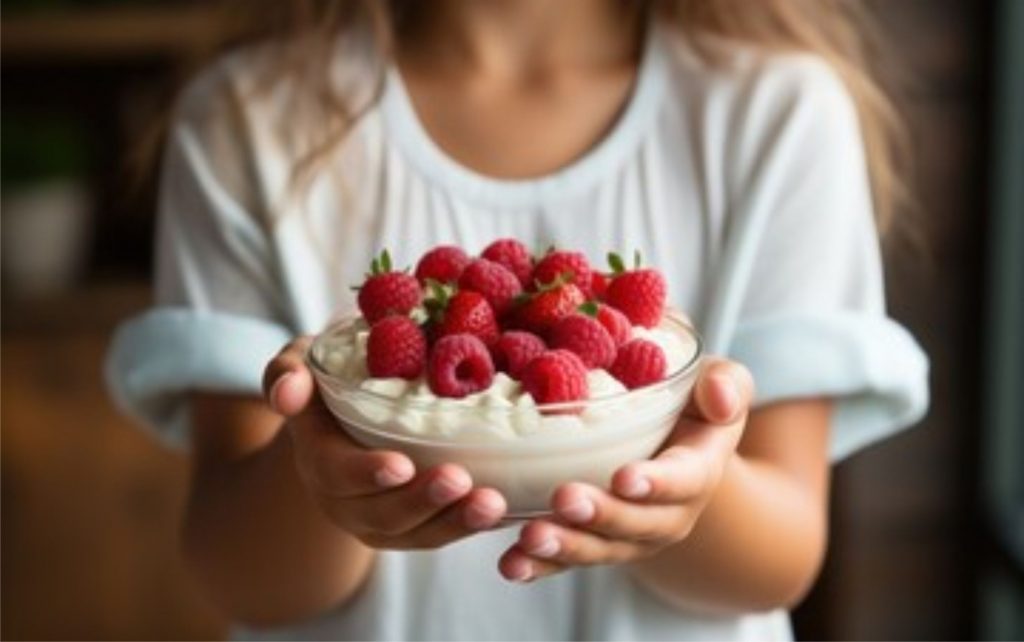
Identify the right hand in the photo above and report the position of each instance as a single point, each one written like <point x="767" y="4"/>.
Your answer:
<point x="376" y="495"/>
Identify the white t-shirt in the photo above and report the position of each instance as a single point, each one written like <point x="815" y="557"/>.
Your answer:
<point x="746" y="185"/>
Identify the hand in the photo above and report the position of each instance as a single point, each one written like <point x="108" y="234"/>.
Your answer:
<point x="652" y="504"/>
<point x="375" y="495"/>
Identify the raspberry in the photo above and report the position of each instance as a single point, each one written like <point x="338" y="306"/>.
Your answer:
<point x="639" y="363"/>
<point x="396" y="347"/>
<point x="459" y="365"/>
<point x="587" y="338"/>
<point x="467" y="312"/>
<point x="499" y="286"/>
<point x="555" y="376"/>
<point x="513" y="256"/>
<point x="547" y="306"/>
<point x="558" y="263"/>
<point x="615" y="322"/>
<point x="443" y="264"/>
<point x="385" y="292"/>
<point x="639" y="294"/>
<point x="514" y="350"/>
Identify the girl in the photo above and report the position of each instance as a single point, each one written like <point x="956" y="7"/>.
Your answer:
<point x="741" y="146"/>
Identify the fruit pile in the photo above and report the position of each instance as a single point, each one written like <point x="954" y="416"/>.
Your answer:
<point x="544" y="322"/>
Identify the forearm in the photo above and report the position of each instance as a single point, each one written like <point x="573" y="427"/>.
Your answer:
<point x="260" y="544"/>
<point x="758" y="545"/>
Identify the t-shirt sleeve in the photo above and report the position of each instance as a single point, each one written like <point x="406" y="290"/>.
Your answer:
<point x="809" y="314"/>
<point x="219" y="315"/>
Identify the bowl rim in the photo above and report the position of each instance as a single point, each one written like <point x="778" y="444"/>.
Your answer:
<point x="671" y="316"/>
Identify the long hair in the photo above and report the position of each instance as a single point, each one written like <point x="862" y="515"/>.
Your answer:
<point x="305" y="33"/>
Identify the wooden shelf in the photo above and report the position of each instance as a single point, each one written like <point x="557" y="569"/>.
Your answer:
<point x="103" y="35"/>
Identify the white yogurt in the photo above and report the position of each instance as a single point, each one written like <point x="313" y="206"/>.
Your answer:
<point x="502" y="412"/>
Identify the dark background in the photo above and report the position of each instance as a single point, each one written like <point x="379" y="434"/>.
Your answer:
<point x="91" y="503"/>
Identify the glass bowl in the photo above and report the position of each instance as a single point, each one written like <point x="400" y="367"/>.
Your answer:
<point x="525" y="451"/>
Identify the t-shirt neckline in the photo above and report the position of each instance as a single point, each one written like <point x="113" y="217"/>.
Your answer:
<point x="403" y="126"/>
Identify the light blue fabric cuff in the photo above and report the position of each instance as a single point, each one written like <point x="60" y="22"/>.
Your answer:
<point x="156" y="358"/>
<point x="873" y="368"/>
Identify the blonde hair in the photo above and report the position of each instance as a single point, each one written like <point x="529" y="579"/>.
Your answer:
<point x="306" y="32"/>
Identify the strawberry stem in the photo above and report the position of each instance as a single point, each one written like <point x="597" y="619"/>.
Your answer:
<point x="560" y="279"/>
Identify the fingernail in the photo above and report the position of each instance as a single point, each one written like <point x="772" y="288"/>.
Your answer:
<point x="730" y="392"/>
<point x="274" y="390"/>
<point x="580" y="511"/>
<point x="548" y="547"/>
<point x="442" y="491"/>
<point x="479" y="517"/>
<point x="389" y="478"/>
<point x="637" y="488"/>
<point x="521" y="571"/>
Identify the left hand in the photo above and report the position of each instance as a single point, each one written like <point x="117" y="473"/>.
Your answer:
<point x="652" y="504"/>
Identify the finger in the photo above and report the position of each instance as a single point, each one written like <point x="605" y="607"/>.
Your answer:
<point x="335" y="467"/>
<point x="481" y="509"/>
<point x="552" y="543"/>
<point x="722" y="393"/>
<point x="516" y="565"/>
<point x="398" y="511"/>
<point x="591" y="509"/>
<point x="678" y="474"/>
<point x="288" y="385"/>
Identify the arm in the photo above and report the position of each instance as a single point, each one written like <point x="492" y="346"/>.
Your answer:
<point x="253" y="534"/>
<point x="718" y="522"/>
<point x="285" y="512"/>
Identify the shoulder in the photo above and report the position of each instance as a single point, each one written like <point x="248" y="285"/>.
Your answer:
<point x="755" y="84"/>
<point x="799" y="86"/>
<point x="262" y="84"/>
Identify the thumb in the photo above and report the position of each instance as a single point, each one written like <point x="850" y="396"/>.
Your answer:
<point x="288" y="385"/>
<point x="723" y="392"/>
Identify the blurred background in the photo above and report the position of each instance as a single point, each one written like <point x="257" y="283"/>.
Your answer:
<point x="928" y="535"/>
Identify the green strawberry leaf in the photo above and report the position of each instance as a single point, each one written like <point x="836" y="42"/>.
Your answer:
<point x="636" y="259"/>
<point x="385" y="260"/>
<point x="439" y="292"/>
<point x="616" y="264"/>
<point x="589" y="308"/>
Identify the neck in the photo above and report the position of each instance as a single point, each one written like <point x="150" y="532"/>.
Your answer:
<point x="526" y="37"/>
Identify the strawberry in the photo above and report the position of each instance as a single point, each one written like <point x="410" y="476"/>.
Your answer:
<point x="639" y="293"/>
<point x="616" y="323"/>
<point x="459" y="365"/>
<point x="385" y="292"/>
<point x="396" y="347"/>
<point x="514" y="350"/>
<point x="443" y="264"/>
<point x="555" y="376"/>
<point x="639" y="363"/>
<point x="499" y="286"/>
<point x="599" y="285"/>
<point x="542" y="309"/>
<point x="465" y="312"/>
<point x="572" y="266"/>
<point x="513" y="256"/>
<point x="586" y="337"/>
